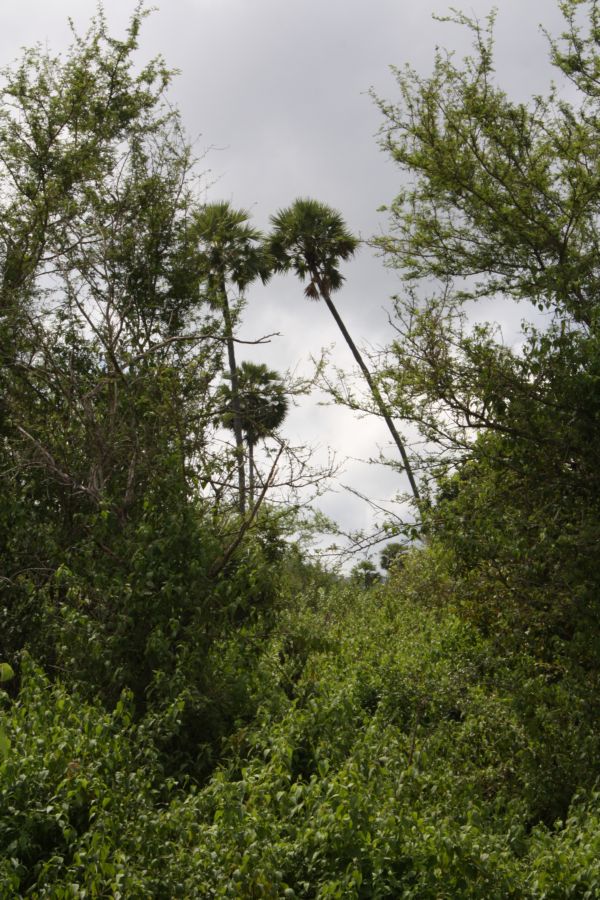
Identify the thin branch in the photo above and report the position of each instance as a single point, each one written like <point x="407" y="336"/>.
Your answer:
<point x="51" y="464"/>
<point x="218" y="568"/>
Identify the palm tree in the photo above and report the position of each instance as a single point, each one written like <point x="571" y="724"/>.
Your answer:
<point x="310" y="239"/>
<point x="263" y="405"/>
<point x="231" y="255"/>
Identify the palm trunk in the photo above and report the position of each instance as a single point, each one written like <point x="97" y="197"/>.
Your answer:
<point x="251" y="473"/>
<point x="373" y="388"/>
<point x="235" y="401"/>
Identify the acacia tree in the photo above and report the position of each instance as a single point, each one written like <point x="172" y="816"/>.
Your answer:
<point x="99" y="281"/>
<point x="263" y="405"/>
<point x="310" y="239"/>
<point x="231" y="255"/>
<point x="501" y="201"/>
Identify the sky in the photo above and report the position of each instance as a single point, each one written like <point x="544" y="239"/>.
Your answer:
<point x="275" y="96"/>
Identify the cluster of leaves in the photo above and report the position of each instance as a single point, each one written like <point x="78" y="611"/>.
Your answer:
<point x="127" y="553"/>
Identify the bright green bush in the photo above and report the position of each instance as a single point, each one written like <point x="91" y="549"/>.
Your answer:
<point x="566" y="862"/>
<point x="73" y="775"/>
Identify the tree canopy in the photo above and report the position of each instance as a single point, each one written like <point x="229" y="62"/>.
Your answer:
<point x="500" y="202"/>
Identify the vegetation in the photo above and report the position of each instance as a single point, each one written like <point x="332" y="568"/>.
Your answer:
<point x="231" y="253"/>
<point x="189" y="705"/>
<point x="396" y="752"/>
<point x="503" y="203"/>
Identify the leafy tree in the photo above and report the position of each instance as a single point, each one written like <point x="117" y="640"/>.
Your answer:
<point x="310" y="239"/>
<point x="111" y="536"/>
<point x="97" y="280"/>
<point x="263" y="405"/>
<point x="365" y="573"/>
<point x="231" y="254"/>
<point x="100" y="284"/>
<point x="500" y="201"/>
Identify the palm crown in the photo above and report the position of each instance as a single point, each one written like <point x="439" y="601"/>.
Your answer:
<point x="231" y="248"/>
<point x="310" y="238"/>
<point x="262" y="405"/>
<point x="263" y="401"/>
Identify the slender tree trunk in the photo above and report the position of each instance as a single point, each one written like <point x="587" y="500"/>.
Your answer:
<point x="235" y="400"/>
<point x="373" y="387"/>
<point x="251" y="473"/>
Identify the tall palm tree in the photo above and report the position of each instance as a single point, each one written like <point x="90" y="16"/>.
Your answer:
<point x="310" y="239"/>
<point x="232" y="255"/>
<point x="263" y="405"/>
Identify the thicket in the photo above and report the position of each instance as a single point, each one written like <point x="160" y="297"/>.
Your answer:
<point x="396" y="753"/>
<point x="190" y="706"/>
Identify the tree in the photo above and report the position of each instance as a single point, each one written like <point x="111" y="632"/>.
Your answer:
<point x="310" y="239"/>
<point x="99" y="281"/>
<point x="500" y="201"/>
<point x="110" y="537"/>
<point x="365" y="574"/>
<point x="392" y="556"/>
<point x="263" y="405"/>
<point x="232" y="254"/>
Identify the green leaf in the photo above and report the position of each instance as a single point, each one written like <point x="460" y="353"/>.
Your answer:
<point x="6" y="672"/>
<point x="4" y="744"/>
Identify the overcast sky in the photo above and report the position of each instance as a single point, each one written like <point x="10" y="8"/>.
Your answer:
<point x="276" y="92"/>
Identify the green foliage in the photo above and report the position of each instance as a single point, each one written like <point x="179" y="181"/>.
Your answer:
<point x="412" y="760"/>
<point x="73" y="775"/>
<point x="309" y="238"/>
<point x="100" y="391"/>
<point x="263" y="401"/>
<point x="199" y="710"/>
<point x="500" y="203"/>
<point x="502" y="193"/>
<point x="6" y="673"/>
<point x="395" y="752"/>
<point x="392" y="556"/>
<point x="258" y="409"/>
<point x="114" y="506"/>
<point x="230" y="247"/>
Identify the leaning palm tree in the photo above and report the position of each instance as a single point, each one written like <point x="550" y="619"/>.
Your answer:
<point x="231" y="255"/>
<point x="263" y="405"/>
<point x="310" y="239"/>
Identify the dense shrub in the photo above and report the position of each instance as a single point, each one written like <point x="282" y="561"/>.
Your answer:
<point x="394" y="753"/>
